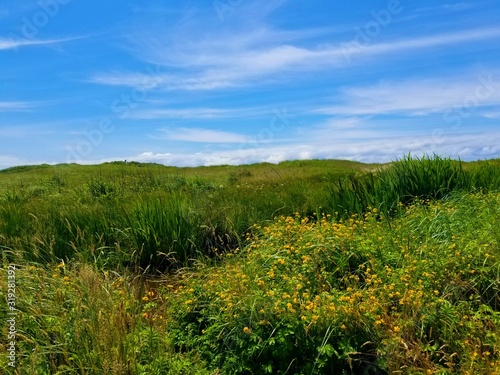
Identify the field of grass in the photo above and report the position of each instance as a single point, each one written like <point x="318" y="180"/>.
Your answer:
<point x="149" y="215"/>
<point x="306" y="267"/>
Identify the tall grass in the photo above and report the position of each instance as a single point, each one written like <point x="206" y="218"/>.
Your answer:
<point x="416" y="291"/>
<point x="126" y="214"/>
<point x="165" y="231"/>
<point x="119" y="214"/>
<point x="408" y="179"/>
<point x="76" y="319"/>
<point x="485" y="175"/>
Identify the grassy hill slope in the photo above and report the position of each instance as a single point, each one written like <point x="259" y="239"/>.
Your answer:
<point x="310" y="267"/>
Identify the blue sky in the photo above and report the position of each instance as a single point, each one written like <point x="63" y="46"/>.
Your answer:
<point x="237" y="81"/>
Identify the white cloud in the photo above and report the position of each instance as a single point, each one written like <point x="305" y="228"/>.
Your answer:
<point x="189" y="113"/>
<point x="16" y="106"/>
<point x="491" y="115"/>
<point x="7" y="44"/>
<point x="165" y="110"/>
<point x="384" y="149"/>
<point x="456" y="7"/>
<point x="418" y="97"/>
<point x="202" y="135"/>
<point x="341" y="130"/>
<point x="415" y="45"/>
<point x="230" y="62"/>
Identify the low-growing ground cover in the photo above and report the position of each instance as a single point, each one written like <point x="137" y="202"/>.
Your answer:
<point x="417" y="294"/>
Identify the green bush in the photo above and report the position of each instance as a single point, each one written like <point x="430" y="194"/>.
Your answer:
<point x="418" y="293"/>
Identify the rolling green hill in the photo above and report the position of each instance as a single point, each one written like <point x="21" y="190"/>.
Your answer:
<point x="305" y="267"/>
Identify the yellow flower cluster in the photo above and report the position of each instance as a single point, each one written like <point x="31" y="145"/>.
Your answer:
<point x="358" y="275"/>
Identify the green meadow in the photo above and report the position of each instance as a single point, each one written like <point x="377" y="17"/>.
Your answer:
<point x="304" y="267"/>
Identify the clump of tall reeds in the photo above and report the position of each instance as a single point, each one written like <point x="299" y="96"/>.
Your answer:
<point x="165" y="231"/>
<point x="407" y="179"/>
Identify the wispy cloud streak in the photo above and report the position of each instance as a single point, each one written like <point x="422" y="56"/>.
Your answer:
<point x="208" y="66"/>
<point x="17" y="106"/>
<point x="8" y="44"/>
<point x="416" y="96"/>
<point x="202" y="135"/>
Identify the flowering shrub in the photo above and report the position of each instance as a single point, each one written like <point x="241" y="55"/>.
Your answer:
<point x="417" y="294"/>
